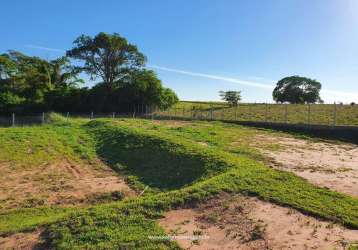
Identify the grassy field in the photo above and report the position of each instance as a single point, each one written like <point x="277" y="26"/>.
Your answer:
<point x="291" y="113"/>
<point x="177" y="166"/>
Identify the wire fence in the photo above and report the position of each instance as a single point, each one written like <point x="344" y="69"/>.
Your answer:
<point x="310" y="114"/>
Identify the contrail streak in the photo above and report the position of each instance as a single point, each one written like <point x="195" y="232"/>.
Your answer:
<point x="215" y="77"/>
<point x="334" y="95"/>
<point x="44" y="48"/>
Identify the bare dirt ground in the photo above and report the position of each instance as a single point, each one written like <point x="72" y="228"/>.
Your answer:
<point x="62" y="183"/>
<point x="326" y="164"/>
<point x="247" y="223"/>
<point x="22" y="241"/>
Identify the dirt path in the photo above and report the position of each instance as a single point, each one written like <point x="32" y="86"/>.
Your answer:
<point x="61" y="183"/>
<point x="247" y="223"/>
<point x="331" y="165"/>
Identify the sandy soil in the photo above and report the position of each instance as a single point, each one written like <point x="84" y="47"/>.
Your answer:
<point x="23" y="241"/>
<point x="326" y="164"/>
<point x="247" y="223"/>
<point x="61" y="183"/>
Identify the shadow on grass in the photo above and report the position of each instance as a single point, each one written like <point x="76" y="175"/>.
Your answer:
<point x="150" y="160"/>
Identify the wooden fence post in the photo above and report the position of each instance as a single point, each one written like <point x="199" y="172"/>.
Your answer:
<point x="309" y="114"/>
<point x="43" y="118"/>
<point x="286" y="113"/>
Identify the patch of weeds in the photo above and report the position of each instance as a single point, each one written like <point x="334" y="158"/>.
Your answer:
<point x="257" y="233"/>
<point x="104" y="197"/>
<point x="33" y="202"/>
<point x="213" y="217"/>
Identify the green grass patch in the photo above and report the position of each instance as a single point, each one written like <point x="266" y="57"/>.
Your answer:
<point x="35" y="145"/>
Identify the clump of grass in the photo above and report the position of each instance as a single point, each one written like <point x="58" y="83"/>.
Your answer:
<point x="104" y="197"/>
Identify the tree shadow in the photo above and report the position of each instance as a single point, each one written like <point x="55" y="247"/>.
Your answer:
<point x="153" y="161"/>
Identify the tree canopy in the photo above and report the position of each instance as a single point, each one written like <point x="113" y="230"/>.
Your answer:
<point x="31" y="84"/>
<point x="232" y="97"/>
<point x="108" y="56"/>
<point x="296" y="89"/>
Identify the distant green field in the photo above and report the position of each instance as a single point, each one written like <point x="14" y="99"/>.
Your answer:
<point x="324" y="114"/>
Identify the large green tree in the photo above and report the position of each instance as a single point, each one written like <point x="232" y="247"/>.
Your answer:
<point x="296" y="89"/>
<point x="25" y="80"/>
<point x="108" y="56"/>
<point x="64" y="74"/>
<point x="231" y="97"/>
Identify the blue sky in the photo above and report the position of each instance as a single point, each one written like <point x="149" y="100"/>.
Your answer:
<point x="199" y="47"/>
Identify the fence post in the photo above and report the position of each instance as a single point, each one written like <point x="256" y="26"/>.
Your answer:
<point x="309" y="114"/>
<point x="211" y="112"/>
<point x="236" y="111"/>
<point x="43" y="118"/>
<point x="67" y="115"/>
<point x="266" y="112"/>
<point x="134" y="111"/>
<point x="286" y="118"/>
<point x="13" y="119"/>
<point x="114" y="115"/>
<point x="250" y="112"/>
<point x="335" y="114"/>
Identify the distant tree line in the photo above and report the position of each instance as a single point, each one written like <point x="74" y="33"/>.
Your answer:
<point x="31" y="84"/>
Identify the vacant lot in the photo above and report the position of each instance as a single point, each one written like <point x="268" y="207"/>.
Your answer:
<point x="109" y="184"/>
